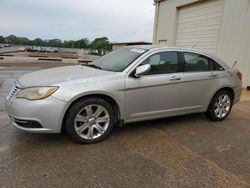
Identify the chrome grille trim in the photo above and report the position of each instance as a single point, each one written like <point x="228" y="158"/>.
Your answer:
<point x="13" y="90"/>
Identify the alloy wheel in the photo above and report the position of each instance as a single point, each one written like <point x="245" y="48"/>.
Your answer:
<point x="92" y="121"/>
<point x="222" y="106"/>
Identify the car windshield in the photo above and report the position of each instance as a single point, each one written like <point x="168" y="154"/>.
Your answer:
<point x="118" y="60"/>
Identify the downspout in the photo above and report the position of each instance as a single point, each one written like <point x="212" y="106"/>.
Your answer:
<point x="157" y="6"/>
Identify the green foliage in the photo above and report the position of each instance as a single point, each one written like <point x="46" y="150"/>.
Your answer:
<point x="12" y="39"/>
<point x="38" y="42"/>
<point x="101" y="43"/>
<point x="2" y="39"/>
<point x="55" y="42"/>
<point x="82" y="43"/>
<point x="23" y="40"/>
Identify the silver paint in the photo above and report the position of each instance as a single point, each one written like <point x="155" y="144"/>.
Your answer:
<point x="143" y="98"/>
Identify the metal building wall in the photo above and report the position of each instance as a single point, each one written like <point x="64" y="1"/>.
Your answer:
<point x="234" y="39"/>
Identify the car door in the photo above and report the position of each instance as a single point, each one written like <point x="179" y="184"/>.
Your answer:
<point x="157" y="93"/>
<point x="201" y="79"/>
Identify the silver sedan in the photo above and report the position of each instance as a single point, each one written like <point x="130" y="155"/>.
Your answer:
<point x="127" y="85"/>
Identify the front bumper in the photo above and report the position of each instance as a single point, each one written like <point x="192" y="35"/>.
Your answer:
<point x="48" y="113"/>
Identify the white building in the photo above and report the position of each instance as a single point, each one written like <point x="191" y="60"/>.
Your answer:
<point x="221" y="27"/>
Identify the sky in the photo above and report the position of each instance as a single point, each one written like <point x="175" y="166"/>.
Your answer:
<point x="119" y="20"/>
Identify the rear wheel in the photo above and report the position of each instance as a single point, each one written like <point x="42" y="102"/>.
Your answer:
<point x="90" y="120"/>
<point x="220" y="106"/>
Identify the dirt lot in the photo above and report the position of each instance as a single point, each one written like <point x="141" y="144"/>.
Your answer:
<point x="186" y="151"/>
<point x="44" y="54"/>
<point x="42" y="59"/>
<point x="47" y="62"/>
<point x="38" y="64"/>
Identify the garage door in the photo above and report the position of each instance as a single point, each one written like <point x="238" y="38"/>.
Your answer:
<point x="198" y="25"/>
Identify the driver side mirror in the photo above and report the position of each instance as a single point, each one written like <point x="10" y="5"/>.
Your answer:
<point x="141" y="70"/>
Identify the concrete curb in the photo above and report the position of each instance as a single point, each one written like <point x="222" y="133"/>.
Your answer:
<point x="85" y="61"/>
<point x="9" y="55"/>
<point x="37" y="56"/>
<point x="50" y="59"/>
<point x="65" y="57"/>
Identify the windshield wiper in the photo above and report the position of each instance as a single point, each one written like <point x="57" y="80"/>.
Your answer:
<point x="93" y="65"/>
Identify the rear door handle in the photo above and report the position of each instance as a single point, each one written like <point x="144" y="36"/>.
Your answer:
<point x="172" y="78"/>
<point x="212" y="75"/>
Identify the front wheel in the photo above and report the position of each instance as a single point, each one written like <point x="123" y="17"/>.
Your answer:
<point x="220" y="106"/>
<point x="90" y="120"/>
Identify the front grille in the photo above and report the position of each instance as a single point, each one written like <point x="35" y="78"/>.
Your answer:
<point x="13" y="90"/>
<point x="27" y="123"/>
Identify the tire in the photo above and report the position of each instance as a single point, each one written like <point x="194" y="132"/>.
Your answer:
<point x="90" y="120"/>
<point x="220" y="106"/>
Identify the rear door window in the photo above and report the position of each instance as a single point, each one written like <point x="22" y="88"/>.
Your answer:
<point x="195" y="62"/>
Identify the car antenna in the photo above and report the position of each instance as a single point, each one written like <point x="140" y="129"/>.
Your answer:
<point x="234" y="64"/>
<point x="193" y="45"/>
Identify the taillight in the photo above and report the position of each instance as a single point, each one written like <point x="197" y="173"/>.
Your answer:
<point x="239" y="74"/>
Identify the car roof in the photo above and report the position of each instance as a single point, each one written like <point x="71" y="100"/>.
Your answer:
<point x="159" y="47"/>
<point x="164" y="47"/>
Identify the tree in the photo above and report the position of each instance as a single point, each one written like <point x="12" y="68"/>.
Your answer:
<point x="11" y="39"/>
<point x="100" y="43"/>
<point x="82" y="43"/>
<point x="2" y="39"/>
<point x="55" y="42"/>
<point x="69" y="44"/>
<point x="23" y="40"/>
<point x="38" y="42"/>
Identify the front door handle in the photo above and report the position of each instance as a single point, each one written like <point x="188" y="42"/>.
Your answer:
<point x="212" y="75"/>
<point x="172" y="78"/>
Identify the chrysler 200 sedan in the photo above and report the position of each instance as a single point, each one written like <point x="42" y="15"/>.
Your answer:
<point x="127" y="85"/>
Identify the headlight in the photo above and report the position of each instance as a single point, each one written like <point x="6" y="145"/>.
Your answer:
<point x="36" y="93"/>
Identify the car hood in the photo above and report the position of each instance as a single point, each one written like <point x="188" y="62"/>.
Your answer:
<point x="58" y="75"/>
